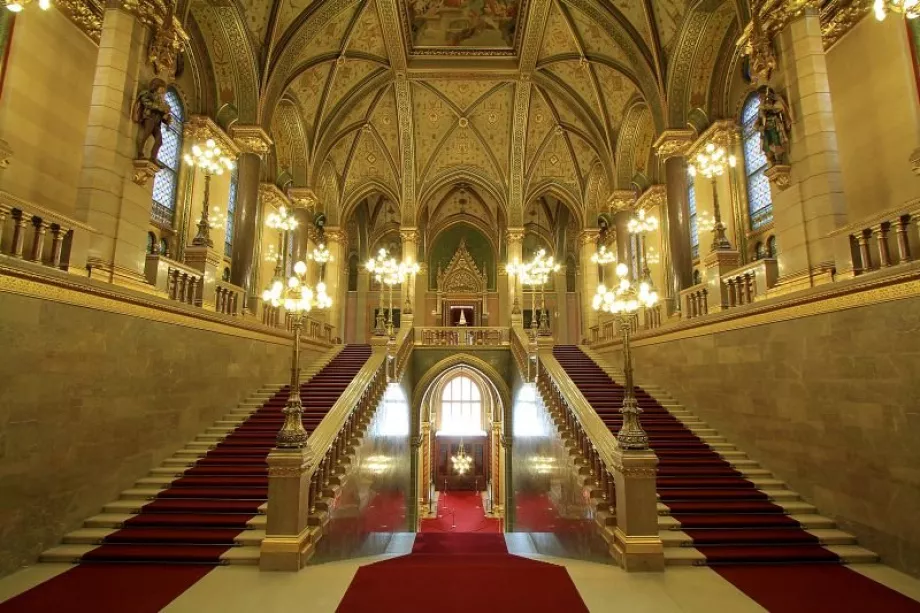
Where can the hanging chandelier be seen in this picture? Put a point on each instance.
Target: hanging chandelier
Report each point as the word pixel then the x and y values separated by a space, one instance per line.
pixel 909 8
pixel 462 461
pixel 16 6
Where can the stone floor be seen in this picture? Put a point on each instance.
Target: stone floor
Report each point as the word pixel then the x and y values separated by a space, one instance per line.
pixel 603 587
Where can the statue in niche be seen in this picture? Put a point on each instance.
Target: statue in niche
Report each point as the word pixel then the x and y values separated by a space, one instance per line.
pixel 774 124
pixel 151 112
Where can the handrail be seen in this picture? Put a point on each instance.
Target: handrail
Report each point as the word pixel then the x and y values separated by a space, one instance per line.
pixel 467 336
pixel 520 349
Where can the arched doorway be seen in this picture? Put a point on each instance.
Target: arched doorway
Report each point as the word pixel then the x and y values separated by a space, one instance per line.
pixel 461 411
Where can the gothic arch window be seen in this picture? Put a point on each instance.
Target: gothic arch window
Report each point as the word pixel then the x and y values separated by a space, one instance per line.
pixel 166 181
pixel 231 211
pixel 151 243
pixel 771 247
pixel 461 407
pixel 694 228
pixel 760 200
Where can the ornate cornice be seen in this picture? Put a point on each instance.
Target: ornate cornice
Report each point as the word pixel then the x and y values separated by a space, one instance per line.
pixel 409 235
pixel 621 200
pixel 673 143
pixel 514 235
pixel 201 127
pixel 251 139
pixel 85 14
pixel 725 133
pixel 303 198
pixel 837 17
pixel 654 196
pixel 335 235
pixel 270 194
pixel 588 236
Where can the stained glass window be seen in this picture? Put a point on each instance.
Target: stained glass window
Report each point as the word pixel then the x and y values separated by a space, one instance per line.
pixel 694 228
pixel 760 200
pixel 166 181
pixel 231 211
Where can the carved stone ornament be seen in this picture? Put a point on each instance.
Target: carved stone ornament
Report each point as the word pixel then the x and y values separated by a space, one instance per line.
pixel 303 197
pixel 621 200
pixel 251 139
pixel 271 194
pixel 759 50
pixel 144 170
pixel 673 142
pixel 199 128
pixel 166 45
pixel 462 276
pixel 723 133
pixel 915 161
pixel 779 175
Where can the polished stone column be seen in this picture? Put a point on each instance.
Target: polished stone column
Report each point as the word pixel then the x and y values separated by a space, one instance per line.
pixel 244 254
pixel 335 285
pixel 589 280
pixel 671 147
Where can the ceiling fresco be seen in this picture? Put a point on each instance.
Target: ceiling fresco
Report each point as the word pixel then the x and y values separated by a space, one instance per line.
pixel 467 26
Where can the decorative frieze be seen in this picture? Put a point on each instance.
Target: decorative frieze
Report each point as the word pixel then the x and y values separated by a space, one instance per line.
pixel 303 198
pixel 723 133
pixel 654 197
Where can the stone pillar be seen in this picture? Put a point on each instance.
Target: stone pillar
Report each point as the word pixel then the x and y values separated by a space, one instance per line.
pixel 671 147
pixel 621 204
pixel 515 238
pixel 245 250
pixel 409 238
pixel 636 545
pixel 335 286
pixel 110 197
pixel 305 235
pixel 364 283
pixel 812 207
pixel 589 280
pixel 288 544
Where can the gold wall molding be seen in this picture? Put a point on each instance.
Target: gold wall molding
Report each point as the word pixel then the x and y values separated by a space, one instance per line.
pixel 68 289
pixel 865 290
pixel 271 194
pixel 673 143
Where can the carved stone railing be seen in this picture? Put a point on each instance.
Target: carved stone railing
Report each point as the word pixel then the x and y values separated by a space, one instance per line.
pixel 229 298
pixel 651 317
pixel 750 282
pixel 886 239
pixel 462 336
pixel 34 233
pixel 303 483
pixel 173 279
pixel 271 316
pixel 620 484
pixel 695 301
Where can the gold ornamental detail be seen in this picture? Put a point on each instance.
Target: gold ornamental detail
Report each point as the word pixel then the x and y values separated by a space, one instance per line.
pixel 200 128
pixel 251 139
pixel 673 143
pixel 621 200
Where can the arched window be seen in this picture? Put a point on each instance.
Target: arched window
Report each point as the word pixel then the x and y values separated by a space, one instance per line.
pixel 166 181
pixel 771 247
pixel 231 211
pixel 461 407
pixel 760 200
pixel 694 229
pixel 151 243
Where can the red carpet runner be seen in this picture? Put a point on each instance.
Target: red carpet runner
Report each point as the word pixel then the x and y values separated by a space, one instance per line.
pixel 461 512
pixel 198 517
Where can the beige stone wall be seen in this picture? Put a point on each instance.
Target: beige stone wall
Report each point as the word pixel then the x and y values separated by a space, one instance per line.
pixel 90 401
pixel 44 108
pixel 828 402
pixel 876 115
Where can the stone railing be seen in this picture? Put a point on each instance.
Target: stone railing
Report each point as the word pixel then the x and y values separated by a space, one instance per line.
pixel 750 282
pixel 695 301
pixel 883 240
pixel 304 483
pixel 651 317
pixel 620 484
pixel 523 348
pixel 36 234
pixel 229 298
pixel 173 279
pixel 271 316
pixel 462 336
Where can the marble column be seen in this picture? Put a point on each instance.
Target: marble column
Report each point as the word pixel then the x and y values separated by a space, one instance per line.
pixel 621 204
pixel 110 198
pixel 244 254
pixel 671 147
pixel 515 240
pixel 589 279
pixel 335 285
pixel 813 206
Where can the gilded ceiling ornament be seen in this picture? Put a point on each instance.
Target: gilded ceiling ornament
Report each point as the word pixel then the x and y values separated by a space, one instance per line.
pixel 621 200
pixel 165 45
pixel 251 139
pixel 85 14
pixel 673 143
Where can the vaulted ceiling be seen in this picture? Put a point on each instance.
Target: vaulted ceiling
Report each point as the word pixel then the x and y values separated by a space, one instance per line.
pixel 518 98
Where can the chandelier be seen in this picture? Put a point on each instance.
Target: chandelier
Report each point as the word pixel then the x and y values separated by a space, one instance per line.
pixel 910 8
pixel 713 161
pixel 462 461
pixel 16 6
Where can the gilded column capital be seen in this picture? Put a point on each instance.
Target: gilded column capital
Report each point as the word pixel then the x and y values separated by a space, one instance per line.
pixel 336 235
pixel 514 235
pixel 673 143
pixel 251 139
pixel 201 128
pixel 654 196
pixel 302 197
pixel 409 235
pixel 723 133
pixel 588 236
pixel 271 194
pixel 621 200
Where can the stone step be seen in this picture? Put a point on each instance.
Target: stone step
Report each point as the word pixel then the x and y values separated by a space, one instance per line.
pixel 117 520
pixel 677 538
pixel 94 536
pixel 141 493
pixel 854 554
pixel 789 506
pixel 808 522
pixel 71 554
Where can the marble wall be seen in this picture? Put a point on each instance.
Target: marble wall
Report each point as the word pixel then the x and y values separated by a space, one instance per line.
pixel 827 402
pixel 90 401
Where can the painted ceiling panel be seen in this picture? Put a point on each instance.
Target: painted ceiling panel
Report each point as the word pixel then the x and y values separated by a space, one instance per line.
pixel 595 40
pixel 492 118
pixel 584 154
pixel 330 38
pixel 577 75
pixel 556 163
pixel 617 91
pixel 369 163
pixel 385 122
pixel 308 89
pixel 367 37
pixel 348 74
pixel 558 38
pixel 463 92
pixel 432 118
pixel 463 148
pixel 540 122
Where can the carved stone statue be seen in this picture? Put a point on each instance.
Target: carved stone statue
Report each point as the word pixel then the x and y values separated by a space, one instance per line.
pixel 774 124
pixel 151 112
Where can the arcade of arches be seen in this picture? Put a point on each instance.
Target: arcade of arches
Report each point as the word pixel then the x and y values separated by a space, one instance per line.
pixel 509 294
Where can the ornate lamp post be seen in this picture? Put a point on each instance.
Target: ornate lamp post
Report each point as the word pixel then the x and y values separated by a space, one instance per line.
pixel 297 298
pixel 321 256
pixel 623 301
pixel 712 163
pixel 542 268
pixel 284 222
pixel 408 270
pixel 211 161
pixel 384 269
pixel 640 225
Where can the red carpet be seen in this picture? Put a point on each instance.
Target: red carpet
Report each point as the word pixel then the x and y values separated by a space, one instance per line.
pixel 456 572
pixel 112 588
pixel 537 513
pixel 815 588
pixel 461 512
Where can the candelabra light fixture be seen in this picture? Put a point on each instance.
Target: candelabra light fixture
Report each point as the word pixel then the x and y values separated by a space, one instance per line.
pixel 623 300
pixel 387 272
pixel 284 222
pixel 16 6
pixel 712 163
pixel 216 219
pixel 462 461
pixel 409 269
pixel 212 161
pixel 298 299
pixel 540 270
pixel 909 8
pixel 640 225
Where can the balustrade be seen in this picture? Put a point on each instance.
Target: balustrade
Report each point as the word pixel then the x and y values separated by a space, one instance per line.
pixel 877 242
pixel 463 336
pixel 25 229
pixel 174 280
pixel 695 300
pixel 228 298
pixel 651 317
pixel 750 283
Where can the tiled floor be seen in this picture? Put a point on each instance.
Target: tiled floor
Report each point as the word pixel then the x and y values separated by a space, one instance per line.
pixel 232 589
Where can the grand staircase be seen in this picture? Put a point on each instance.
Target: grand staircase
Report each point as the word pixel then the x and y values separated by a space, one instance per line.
pixel 207 503
pixel 715 505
